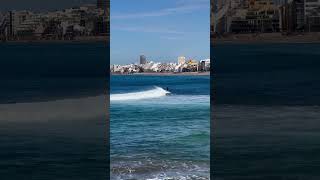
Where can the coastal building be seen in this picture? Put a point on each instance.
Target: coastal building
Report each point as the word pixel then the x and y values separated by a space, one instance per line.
pixel 193 65
pixel 264 16
pixel 204 65
pixel 143 59
pixel 76 22
pixel 292 16
pixel 181 60
pixel 287 17
pixel 212 16
pixel 300 14
pixel 312 15
pixel 5 26
pixel 27 25
pixel 151 66
pixel 246 16
pixel 102 4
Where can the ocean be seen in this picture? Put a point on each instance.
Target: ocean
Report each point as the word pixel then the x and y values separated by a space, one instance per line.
pixel 160 133
pixel 265 111
pixel 265 115
pixel 53 111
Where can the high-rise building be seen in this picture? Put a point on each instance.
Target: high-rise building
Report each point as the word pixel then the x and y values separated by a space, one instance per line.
pixel 11 24
pixel 292 16
pixel 312 15
pixel 181 60
pixel 143 59
pixel 300 19
pixel 102 4
pixel 202 66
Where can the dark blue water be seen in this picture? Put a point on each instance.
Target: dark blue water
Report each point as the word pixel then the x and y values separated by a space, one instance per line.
pixel 266 111
pixel 40 71
pixel 52 111
pixel 156 135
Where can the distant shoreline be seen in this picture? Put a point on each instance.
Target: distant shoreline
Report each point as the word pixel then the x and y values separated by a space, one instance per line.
pixel 270 38
pixel 166 74
pixel 88 39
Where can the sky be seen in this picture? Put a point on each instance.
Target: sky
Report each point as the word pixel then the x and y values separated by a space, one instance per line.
pixel 160 30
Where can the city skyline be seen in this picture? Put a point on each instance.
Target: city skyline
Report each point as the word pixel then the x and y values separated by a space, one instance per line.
pixel 181 65
pixel 143 59
pixel 41 5
pixel 265 16
pixel 160 30
pixel 82 22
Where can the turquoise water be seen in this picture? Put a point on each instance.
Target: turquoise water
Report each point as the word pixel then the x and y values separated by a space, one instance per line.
pixel 156 135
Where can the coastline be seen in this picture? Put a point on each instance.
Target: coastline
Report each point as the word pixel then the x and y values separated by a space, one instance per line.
pixel 165 74
pixel 76 40
pixel 272 38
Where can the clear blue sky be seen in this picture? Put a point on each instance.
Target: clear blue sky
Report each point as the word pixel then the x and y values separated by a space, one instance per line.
pixel 161 30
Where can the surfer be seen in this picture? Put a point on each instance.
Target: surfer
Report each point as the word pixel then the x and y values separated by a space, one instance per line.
pixel 167 89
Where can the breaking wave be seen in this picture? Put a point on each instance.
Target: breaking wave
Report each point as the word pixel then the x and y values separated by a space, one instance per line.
pixel 156 92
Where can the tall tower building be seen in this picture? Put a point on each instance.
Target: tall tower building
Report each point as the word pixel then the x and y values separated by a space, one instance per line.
pixel 102 4
pixel 220 4
pixel 143 59
pixel 181 60
pixel 11 24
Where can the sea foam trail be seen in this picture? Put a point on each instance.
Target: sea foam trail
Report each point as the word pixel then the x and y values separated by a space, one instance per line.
pixel 147 94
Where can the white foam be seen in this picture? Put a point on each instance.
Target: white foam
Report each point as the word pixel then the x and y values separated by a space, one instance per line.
pixel 157 92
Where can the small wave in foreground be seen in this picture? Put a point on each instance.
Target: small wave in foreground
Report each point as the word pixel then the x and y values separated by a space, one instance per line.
pixel 160 170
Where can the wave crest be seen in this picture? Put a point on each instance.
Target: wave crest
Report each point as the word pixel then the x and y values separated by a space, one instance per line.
pixel 156 92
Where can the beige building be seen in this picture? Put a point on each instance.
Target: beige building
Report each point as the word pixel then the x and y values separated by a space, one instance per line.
pixel 181 60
